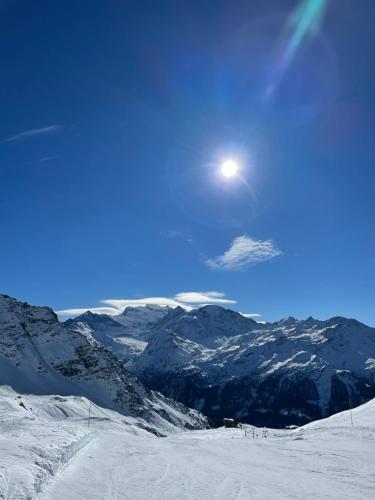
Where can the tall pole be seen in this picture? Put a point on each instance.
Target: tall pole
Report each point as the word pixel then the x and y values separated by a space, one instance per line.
pixel 350 406
pixel 88 423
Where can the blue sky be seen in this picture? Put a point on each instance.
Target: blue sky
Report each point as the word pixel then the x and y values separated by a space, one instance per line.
pixel 116 117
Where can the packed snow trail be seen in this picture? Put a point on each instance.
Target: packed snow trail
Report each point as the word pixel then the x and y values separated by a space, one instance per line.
pixel 50 451
pixel 321 463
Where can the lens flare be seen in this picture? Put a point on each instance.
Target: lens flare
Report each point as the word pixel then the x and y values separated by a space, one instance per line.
pixel 303 21
pixel 306 19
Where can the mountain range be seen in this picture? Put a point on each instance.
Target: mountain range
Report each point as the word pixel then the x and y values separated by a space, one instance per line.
pixel 40 355
pixel 227 365
pixel 125 334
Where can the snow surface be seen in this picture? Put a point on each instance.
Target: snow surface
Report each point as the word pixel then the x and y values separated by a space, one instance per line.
pixel 48 452
pixel 40 434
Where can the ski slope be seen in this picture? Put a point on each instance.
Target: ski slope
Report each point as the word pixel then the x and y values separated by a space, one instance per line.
pixel 39 435
pixel 221 464
pixel 49 452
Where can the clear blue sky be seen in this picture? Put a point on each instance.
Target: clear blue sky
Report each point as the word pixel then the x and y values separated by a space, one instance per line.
pixel 115 117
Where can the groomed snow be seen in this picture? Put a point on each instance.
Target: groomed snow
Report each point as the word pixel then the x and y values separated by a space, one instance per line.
pixel 39 435
pixel 50 453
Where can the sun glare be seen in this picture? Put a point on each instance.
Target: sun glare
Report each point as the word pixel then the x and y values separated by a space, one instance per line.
pixel 229 168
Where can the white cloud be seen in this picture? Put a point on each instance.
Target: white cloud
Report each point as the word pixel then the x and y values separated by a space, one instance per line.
pixel 120 304
pixel 243 252
pixel 251 315
pixel 117 306
pixel 97 310
pixel 186 300
pixel 203 298
pixel 32 132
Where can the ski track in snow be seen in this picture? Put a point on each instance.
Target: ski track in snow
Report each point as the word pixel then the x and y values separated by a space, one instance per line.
pixel 48 451
pixel 222 465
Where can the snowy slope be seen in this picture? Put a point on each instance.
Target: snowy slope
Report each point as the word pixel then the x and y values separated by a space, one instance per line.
pixel 111 334
pixel 361 416
pixel 134 321
pixel 50 451
pixel 327 462
pixel 100 327
pixel 40 434
pixel 291 371
pixel 209 325
pixel 125 334
pixel 39 355
pixel 139 320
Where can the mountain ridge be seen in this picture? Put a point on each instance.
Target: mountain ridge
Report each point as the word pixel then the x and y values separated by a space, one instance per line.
pixel 289 371
pixel 39 355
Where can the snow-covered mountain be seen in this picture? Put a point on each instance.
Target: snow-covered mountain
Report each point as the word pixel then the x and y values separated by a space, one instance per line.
pixel 100 327
pixel 125 334
pixel 109 333
pixel 287 372
pixel 139 320
pixel 209 325
pixel 40 355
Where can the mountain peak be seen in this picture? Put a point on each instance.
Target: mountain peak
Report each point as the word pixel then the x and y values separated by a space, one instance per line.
pixel 289 320
pixel 342 320
pixel 227 365
pixel 40 355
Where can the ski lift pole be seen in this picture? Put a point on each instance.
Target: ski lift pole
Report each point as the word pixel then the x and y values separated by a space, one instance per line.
pixel 350 406
pixel 88 423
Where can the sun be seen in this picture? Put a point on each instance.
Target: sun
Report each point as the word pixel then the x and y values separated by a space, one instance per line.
pixel 229 168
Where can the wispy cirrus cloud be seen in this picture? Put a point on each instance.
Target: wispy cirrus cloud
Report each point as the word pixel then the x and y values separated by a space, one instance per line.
pixel 243 252
pixel 111 311
pixel 117 306
pixel 158 301
pixel 32 132
pixel 44 159
pixel 173 234
pixel 203 298
pixel 186 300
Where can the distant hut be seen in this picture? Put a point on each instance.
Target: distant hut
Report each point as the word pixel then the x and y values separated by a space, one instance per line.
pixel 229 422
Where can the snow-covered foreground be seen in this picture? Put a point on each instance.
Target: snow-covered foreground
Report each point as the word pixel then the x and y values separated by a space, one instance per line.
pixel 221 464
pixel 51 453
pixel 39 436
